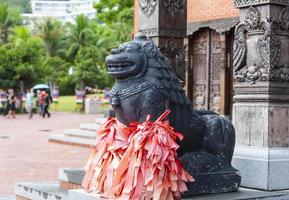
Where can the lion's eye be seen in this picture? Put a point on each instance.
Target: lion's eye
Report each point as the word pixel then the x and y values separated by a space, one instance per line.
pixel 128 49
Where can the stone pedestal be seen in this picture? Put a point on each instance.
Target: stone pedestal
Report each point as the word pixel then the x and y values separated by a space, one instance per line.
pixel 92 106
pixel 261 101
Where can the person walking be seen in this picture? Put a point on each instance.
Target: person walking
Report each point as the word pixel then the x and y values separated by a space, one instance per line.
pixel 47 101
pixel 41 102
pixel 29 103
pixel 12 110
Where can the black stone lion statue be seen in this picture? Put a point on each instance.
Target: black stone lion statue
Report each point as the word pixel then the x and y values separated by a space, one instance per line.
pixel 145 84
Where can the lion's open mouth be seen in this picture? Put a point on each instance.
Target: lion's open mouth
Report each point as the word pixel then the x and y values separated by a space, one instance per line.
pixel 119 66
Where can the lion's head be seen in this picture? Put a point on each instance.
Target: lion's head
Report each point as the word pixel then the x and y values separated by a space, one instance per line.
pixel 126 61
pixel 141 57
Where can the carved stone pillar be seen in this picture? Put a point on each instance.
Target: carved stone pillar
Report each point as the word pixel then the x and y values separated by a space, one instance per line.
pixel 165 21
pixel 261 101
pixel 223 73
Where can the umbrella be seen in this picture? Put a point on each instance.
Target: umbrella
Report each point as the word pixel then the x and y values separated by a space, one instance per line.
pixel 41 87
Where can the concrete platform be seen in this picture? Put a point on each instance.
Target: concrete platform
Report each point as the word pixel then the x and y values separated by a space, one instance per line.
pixel 40 191
pixel 242 194
pixel 80 133
pixel 51 191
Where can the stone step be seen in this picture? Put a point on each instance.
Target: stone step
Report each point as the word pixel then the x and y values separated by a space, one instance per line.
pixel 80 133
pixel 40 191
pixel 70 178
pixel 100 121
pixel 7 197
pixel 89 126
pixel 69 140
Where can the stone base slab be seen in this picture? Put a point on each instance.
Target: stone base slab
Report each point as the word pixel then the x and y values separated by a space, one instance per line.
pixel 263 168
pixel 242 193
pixel 213 183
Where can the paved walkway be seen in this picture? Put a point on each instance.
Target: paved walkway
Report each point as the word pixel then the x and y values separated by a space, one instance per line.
pixel 26 155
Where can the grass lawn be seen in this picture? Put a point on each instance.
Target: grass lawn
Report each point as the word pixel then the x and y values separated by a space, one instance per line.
pixel 68 104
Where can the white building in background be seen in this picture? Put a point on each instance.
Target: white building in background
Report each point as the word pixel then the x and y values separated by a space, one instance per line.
pixel 63 10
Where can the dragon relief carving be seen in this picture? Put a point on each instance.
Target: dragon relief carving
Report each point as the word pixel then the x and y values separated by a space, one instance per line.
pixel 268 48
pixel 175 7
pixel 177 52
pixel 148 6
pixel 284 19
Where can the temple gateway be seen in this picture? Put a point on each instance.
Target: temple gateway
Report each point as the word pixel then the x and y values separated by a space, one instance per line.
pixel 232 57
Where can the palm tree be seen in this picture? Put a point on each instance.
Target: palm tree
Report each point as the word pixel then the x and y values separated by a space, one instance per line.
pixel 80 35
pixel 51 33
pixel 20 35
pixel 8 19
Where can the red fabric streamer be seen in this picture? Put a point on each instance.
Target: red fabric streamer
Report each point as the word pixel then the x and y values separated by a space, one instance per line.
pixel 136 162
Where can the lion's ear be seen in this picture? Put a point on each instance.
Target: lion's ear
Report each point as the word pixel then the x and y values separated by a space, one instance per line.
pixel 149 49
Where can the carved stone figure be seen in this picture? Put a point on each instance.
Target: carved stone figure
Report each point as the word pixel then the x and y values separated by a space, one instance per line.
pixel 148 6
pixel 145 84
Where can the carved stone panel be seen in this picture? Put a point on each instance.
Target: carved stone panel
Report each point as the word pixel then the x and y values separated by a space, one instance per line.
pixel 259 47
pixel 252 18
pixel 200 70
pixel 215 55
pixel 175 7
pixel 206 70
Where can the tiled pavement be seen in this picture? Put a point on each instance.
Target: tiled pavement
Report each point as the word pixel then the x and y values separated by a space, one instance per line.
pixel 26 155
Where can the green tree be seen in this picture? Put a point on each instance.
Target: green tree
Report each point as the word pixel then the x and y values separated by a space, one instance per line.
pixel 115 11
pixel 8 18
pixel 54 69
pixel 79 35
pixel 51 32
pixel 116 16
pixel 87 70
pixel 20 63
pixel 20 35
